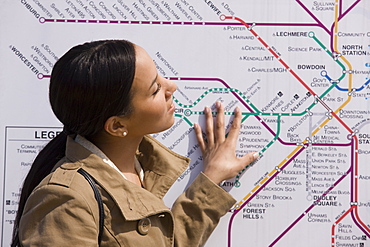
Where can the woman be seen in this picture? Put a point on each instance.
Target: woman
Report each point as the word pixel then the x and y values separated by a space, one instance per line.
pixel 109 98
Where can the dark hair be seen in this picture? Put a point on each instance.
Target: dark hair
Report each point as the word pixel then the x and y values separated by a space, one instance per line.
pixel 89 84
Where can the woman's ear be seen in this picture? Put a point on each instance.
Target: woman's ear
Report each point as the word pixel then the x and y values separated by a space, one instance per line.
pixel 116 126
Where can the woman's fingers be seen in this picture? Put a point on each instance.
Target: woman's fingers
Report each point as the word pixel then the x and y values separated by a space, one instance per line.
pixel 209 126
pixel 235 127
pixel 199 135
pixel 215 132
pixel 220 123
pixel 219 159
pixel 249 158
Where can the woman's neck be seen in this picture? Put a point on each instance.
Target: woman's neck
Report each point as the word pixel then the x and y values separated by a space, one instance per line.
pixel 121 151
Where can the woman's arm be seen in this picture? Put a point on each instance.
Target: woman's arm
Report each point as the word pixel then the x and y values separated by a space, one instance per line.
pixel 198 210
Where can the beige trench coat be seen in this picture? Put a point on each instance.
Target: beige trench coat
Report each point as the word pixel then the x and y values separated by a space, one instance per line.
pixel 62 210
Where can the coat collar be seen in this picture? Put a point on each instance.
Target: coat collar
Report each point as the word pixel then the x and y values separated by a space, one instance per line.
pixel 161 168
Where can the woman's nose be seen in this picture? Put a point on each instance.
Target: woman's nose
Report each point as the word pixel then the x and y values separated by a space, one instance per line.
pixel 170 88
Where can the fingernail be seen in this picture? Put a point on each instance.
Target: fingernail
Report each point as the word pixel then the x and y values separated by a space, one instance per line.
pixel 206 109
pixel 237 109
pixel 218 104
pixel 256 155
pixel 195 125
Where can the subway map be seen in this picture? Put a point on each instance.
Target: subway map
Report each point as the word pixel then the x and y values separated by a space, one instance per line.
pixel 298 69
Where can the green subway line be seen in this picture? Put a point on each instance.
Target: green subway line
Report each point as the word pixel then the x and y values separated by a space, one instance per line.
pixel 219 90
pixel 322 95
pixel 185 118
pixel 312 35
pixel 328 90
pixel 257 111
pixel 245 118
pixel 188 112
pixel 237 177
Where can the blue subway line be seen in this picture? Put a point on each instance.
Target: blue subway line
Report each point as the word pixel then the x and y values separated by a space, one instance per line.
pixel 345 89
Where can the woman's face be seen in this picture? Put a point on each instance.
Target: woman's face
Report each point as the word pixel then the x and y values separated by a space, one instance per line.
pixel 153 109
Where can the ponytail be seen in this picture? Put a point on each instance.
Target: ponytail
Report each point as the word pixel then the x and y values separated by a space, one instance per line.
pixel 41 167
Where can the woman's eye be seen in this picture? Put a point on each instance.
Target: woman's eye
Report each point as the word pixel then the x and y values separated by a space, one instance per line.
pixel 158 88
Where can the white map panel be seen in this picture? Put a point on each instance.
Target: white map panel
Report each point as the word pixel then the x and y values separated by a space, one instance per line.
pixel 298 69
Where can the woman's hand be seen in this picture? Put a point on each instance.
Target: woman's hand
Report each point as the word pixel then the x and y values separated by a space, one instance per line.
pixel 219 158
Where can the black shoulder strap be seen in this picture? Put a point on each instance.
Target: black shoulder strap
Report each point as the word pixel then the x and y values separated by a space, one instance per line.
pixel 98 199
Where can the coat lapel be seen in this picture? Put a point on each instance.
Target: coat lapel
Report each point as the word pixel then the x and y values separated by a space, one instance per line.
pixel 161 168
